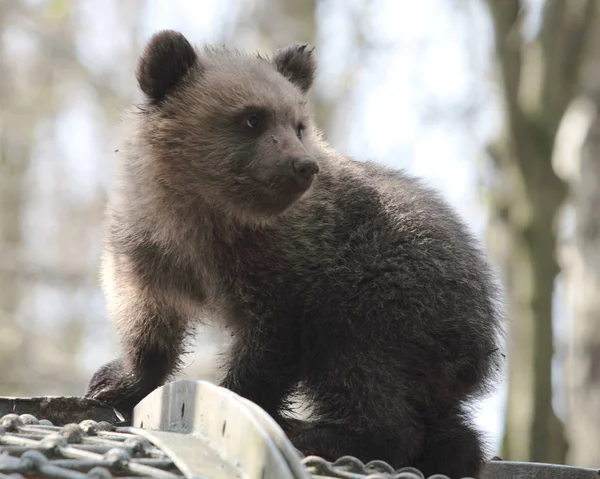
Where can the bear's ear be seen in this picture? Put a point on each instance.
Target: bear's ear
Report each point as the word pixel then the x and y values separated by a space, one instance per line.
pixel 297 64
pixel 168 56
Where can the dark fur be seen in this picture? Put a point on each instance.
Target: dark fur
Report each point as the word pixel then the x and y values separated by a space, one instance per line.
pixel 164 64
pixel 363 290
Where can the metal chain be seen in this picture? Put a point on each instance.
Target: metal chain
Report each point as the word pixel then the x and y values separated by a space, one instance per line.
pixel 99 450
pixel 90 449
pixel 349 467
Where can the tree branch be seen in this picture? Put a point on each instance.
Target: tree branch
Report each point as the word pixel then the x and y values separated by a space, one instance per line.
pixel 563 36
pixel 576 40
pixel 506 16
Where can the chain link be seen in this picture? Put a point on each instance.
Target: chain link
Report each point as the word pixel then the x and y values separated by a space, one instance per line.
pixel 99 450
pixel 349 467
pixel 90 449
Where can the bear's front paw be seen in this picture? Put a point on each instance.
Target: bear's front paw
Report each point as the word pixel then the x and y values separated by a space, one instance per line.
pixel 116 386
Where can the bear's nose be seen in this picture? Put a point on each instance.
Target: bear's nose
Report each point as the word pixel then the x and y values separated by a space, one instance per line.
pixel 305 166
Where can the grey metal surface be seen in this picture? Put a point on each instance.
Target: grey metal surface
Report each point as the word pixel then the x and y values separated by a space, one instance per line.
pixel 236 430
pixel 532 470
pixel 193 456
pixel 90 449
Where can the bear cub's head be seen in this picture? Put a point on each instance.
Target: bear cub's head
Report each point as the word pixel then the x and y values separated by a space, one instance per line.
pixel 229 128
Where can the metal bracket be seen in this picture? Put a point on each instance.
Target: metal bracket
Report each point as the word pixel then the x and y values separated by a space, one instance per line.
pixel 253 444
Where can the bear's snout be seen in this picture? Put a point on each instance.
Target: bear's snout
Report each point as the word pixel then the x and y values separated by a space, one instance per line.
pixel 305 167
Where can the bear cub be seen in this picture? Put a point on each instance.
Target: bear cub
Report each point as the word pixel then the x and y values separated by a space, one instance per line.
pixel 348 282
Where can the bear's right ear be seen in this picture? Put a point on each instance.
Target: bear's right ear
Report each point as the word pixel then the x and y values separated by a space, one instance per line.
pixel 297 63
pixel 168 56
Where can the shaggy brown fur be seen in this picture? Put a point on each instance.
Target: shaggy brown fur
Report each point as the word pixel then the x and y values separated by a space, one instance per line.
pixel 348 281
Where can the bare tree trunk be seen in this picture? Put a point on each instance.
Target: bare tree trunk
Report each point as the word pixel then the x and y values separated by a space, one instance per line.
pixel 579 160
pixel 584 428
pixel 584 424
pixel 539 80
pixel 14 158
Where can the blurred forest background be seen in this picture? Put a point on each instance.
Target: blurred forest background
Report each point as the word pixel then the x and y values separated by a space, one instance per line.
pixel 494 102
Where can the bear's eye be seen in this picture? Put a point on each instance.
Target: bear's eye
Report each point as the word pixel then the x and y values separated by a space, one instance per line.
pixel 300 131
pixel 253 120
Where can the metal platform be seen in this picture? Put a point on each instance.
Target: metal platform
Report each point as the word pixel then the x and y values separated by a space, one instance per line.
pixel 185 429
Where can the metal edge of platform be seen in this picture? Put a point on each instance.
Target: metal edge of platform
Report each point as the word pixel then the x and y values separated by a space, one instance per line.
pixel 210 432
pixel 534 470
pixel 279 438
pixel 256 447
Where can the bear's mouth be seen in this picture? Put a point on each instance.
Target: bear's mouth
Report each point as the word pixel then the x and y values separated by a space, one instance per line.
pixel 286 184
pixel 272 197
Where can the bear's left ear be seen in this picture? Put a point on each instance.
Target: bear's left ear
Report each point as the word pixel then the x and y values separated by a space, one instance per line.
pixel 167 58
pixel 297 64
